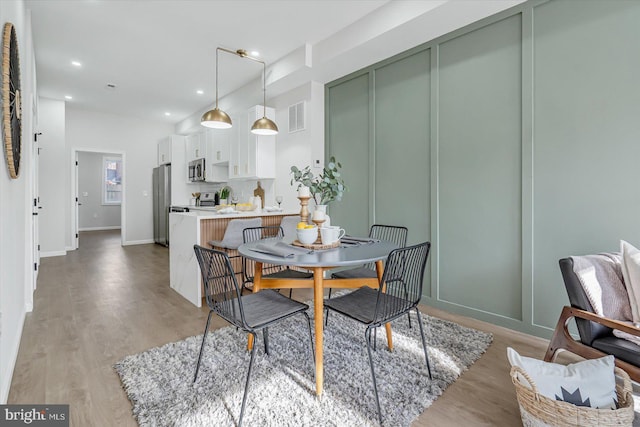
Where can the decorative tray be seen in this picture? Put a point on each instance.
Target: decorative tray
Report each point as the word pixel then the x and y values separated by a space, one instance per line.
pixel 316 246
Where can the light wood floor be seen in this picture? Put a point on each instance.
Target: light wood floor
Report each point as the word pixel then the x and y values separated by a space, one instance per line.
pixel 103 302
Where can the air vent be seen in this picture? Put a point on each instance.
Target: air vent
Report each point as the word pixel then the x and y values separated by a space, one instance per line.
pixel 296 117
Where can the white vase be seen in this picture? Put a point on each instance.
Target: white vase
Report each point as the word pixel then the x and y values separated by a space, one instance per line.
pixel 320 212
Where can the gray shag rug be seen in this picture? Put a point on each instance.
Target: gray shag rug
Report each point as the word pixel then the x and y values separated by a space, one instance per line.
pixel 282 387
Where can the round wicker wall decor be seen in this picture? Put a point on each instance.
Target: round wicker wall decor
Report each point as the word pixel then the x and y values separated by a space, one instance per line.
pixel 11 100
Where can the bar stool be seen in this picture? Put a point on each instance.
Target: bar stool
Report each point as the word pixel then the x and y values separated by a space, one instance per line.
pixel 232 238
pixel 288 225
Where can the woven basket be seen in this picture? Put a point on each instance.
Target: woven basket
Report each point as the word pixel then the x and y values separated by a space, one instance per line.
pixel 540 411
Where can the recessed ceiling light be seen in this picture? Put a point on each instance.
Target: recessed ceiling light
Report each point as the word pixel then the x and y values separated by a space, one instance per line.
pixel 199 91
pixel 255 53
pixel 76 64
pixel 68 97
pixel 167 114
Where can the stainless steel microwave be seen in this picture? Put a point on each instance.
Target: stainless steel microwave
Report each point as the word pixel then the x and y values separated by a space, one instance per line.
pixel 196 170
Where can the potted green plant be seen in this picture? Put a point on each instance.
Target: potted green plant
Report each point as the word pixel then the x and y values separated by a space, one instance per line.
pixel 324 188
pixel 224 195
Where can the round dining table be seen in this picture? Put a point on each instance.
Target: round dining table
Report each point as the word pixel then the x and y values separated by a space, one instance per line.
pixel 282 252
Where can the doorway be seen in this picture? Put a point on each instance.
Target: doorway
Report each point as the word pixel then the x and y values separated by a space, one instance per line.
pixel 98 194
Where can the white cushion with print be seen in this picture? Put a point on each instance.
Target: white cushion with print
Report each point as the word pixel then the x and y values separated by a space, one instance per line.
pixel 589 383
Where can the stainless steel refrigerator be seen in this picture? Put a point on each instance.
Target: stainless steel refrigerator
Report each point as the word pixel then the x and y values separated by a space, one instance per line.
pixel 161 203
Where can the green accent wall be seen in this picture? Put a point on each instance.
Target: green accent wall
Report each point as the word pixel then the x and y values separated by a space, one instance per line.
pixel 509 144
pixel 402 135
pixel 350 131
pixel 587 137
pixel 479 165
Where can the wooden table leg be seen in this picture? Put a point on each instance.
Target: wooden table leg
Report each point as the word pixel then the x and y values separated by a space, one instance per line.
pixel 318 311
pixel 257 277
pixel 387 326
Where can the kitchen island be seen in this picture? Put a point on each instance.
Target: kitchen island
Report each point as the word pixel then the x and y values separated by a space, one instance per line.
pixel 199 227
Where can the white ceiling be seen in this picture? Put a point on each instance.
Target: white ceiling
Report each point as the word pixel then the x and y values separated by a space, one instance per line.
pixel 159 53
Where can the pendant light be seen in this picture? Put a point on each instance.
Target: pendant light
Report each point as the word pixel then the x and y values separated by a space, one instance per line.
pixel 264 126
pixel 218 119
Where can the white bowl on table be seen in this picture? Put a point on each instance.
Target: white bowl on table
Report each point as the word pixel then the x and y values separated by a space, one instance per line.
pixel 307 236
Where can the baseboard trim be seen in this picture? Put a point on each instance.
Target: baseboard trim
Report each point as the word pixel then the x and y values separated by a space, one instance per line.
pixel 493 318
pixel 138 242
pixel 109 227
pixel 52 253
pixel 5 380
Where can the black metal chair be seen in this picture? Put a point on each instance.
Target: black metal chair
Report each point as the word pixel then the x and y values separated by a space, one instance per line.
pixel 272 271
pixel 399 292
pixel 390 233
pixel 250 313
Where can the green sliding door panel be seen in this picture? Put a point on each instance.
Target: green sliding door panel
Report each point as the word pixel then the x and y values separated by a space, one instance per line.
pixel 402 111
pixel 586 138
pixel 480 169
pixel 402 160
pixel 348 134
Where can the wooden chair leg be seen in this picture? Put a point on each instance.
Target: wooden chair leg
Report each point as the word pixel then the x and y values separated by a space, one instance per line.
pixel 562 340
pixel 559 339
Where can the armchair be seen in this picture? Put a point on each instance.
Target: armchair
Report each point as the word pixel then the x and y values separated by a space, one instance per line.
pixel 596 331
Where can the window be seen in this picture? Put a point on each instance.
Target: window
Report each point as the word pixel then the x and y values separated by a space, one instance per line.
pixel 111 180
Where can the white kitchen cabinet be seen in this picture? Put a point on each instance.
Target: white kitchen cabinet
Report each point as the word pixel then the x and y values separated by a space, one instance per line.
pixel 217 153
pixel 164 151
pixel 217 144
pixel 255 155
pixel 239 124
pixel 195 146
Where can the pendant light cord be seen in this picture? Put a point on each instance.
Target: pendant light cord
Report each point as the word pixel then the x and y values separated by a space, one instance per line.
pixel 219 119
pixel 217 50
pixel 264 90
pixel 243 54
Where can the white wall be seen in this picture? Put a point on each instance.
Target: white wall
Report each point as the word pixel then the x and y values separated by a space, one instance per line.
pixel 16 257
pixel 138 140
pixel 92 213
pixel 300 148
pixel 52 183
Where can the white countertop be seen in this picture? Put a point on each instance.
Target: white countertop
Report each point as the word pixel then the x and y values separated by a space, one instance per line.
pixel 209 212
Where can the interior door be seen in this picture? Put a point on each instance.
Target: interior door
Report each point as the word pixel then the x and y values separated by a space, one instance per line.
pixel 35 206
pixel 76 204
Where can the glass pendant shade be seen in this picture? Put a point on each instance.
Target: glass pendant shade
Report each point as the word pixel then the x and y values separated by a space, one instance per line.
pixel 216 119
pixel 264 126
